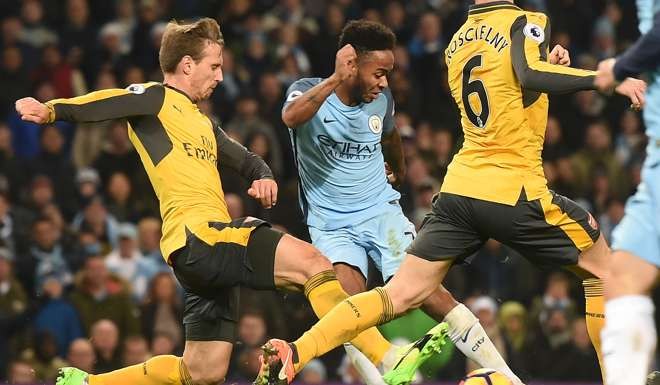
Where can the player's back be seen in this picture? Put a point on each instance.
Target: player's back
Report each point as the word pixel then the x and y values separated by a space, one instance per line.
pixel 501 149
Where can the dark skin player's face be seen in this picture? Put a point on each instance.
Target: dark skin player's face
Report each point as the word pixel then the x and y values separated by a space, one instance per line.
pixel 373 68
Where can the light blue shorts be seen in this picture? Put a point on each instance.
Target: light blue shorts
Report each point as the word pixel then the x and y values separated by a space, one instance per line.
pixel 383 238
pixel 639 230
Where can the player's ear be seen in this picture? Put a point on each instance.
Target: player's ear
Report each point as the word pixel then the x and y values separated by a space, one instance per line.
pixel 186 64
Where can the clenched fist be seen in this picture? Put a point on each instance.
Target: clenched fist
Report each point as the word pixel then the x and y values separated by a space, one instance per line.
pixel 32 110
pixel 346 62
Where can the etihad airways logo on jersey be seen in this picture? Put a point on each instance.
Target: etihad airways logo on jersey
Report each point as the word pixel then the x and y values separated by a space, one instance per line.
pixel 347 150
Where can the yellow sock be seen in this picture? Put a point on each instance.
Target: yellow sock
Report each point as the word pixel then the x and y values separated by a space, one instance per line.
pixel 324 292
pixel 343 323
pixel 159 370
pixel 595 315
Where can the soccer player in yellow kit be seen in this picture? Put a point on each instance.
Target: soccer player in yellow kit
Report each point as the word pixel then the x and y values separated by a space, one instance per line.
pixel 498 74
pixel 210 253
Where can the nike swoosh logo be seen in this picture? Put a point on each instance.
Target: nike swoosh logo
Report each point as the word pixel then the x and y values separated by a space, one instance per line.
pixel 326 120
pixel 465 336
pixel 282 374
pixel 177 108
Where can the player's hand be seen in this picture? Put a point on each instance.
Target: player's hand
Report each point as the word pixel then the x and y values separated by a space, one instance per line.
pixel 265 191
pixel 32 110
pixel 559 55
pixel 605 80
pixel 346 63
pixel 634 89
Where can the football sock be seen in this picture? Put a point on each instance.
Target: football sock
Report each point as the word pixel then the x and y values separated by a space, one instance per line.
pixel 471 339
pixel 594 315
pixel 159 370
pixel 629 339
pixel 342 324
pixel 324 291
pixel 367 370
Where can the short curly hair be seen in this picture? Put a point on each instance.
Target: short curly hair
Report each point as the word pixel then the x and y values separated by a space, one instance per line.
pixel 365 36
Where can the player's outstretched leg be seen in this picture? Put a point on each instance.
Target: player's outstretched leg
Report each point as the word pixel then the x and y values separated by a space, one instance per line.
pixel 629 337
pixel 159 370
pixel 362 311
pixel 298 263
pixel 593 267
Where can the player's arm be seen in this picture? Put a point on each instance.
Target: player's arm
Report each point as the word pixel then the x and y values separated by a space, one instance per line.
pixel 303 103
pixel 96 106
pixel 642 56
pixel 250 166
pixel 530 36
pixel 391 144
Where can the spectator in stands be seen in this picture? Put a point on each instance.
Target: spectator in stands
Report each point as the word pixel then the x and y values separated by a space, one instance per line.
pixel 128 263
pixel 58 317
pixel 165 344
pixel 118 153
pixel 13 308
pixel 513 322
pixel 314 373
pixel 67 80
pixel 135 351
pixel 98 296
pixel 121 202
pixel 105 340
pixel 44 259
pixel 81 355
pixel 162 311
pixel 95 218
pixel 13 299
pixel 629 144
pixel 14 78
pixel 578 361
pixel 53 161
pixel 149 233
pixel 88 184
pixel 247 122
pixel 20 372
pixel 43 357
pixel 35 33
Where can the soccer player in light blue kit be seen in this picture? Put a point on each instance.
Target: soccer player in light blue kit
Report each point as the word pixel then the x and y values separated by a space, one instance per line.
pixel 342 131
pixel 629 337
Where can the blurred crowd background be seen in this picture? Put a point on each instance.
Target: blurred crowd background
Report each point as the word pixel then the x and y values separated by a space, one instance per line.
pixel 82 280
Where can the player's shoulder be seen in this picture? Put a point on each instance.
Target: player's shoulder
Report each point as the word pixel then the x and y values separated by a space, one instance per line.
pixel 141 88
pixel 298 87
pixel 539 18
pixel 305 83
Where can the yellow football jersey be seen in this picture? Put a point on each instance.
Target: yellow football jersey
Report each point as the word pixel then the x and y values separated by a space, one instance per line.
pixel 179 148
pixel 498 74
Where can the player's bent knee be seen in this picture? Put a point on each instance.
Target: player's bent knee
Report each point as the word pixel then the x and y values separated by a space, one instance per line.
pixel 313 261
pixel 406 299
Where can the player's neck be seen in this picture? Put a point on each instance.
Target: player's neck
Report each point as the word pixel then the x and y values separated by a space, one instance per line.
pixel 181 84
pixel 346 96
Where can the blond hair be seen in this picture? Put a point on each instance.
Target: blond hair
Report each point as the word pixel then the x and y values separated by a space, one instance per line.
pixel 187 39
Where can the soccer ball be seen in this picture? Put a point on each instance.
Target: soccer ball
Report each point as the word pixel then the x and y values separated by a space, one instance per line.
pixel 485 376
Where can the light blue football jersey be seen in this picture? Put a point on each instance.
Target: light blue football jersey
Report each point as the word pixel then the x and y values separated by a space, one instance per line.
pixel 340 161
pixel 646 9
